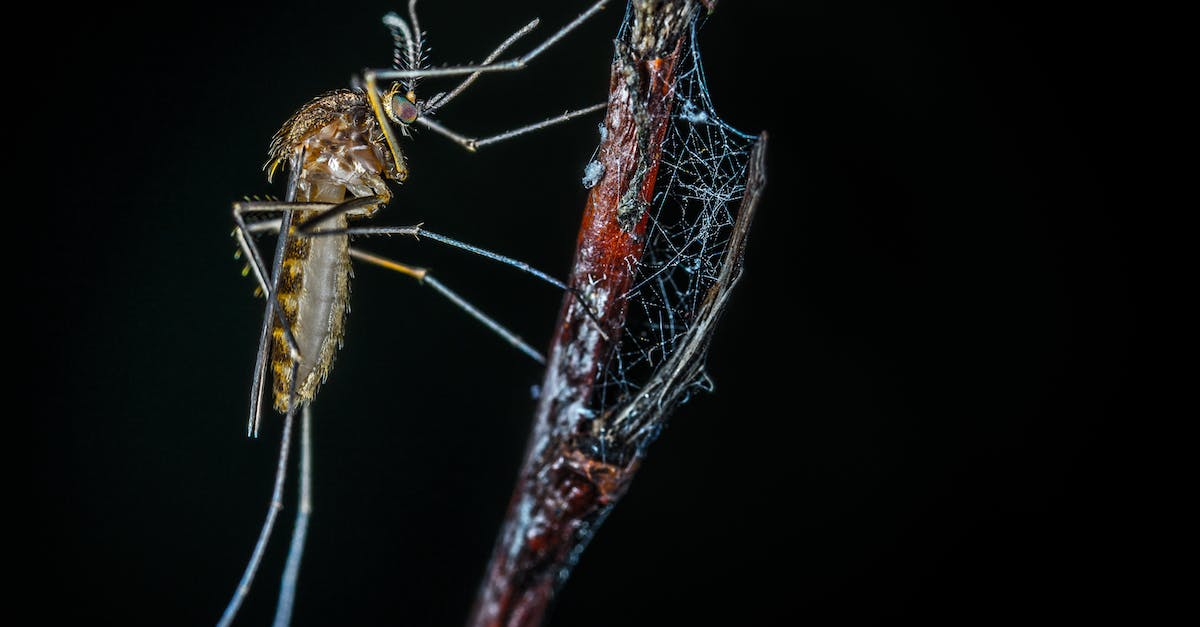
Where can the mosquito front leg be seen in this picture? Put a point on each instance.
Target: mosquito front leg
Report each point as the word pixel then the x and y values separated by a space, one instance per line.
pixel 409 55
pixel 472 143
pixel 439 101
pixel 500 66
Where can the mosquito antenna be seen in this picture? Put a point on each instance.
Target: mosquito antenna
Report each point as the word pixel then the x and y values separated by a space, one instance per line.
pixel 418 57
pixel 496 66
pixel 408 53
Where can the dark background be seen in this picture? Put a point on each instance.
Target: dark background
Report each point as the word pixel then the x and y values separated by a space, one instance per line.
pixel 913 382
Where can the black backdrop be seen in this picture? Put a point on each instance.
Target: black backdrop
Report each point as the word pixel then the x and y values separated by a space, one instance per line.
pixel 911 383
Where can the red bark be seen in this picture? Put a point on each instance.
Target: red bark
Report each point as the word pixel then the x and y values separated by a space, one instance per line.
pixel 563 492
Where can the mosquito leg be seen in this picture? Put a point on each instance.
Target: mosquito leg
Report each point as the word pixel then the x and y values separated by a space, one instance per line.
pixel 440 101
pixel 471 143
pixel 500 66
pixel 422 275
pixel 368 204
pixel 412 45
pixel 327 211
pixel 245 229
pixel 417 231
pixel 264 535
pixel 291 571
pixel 256 261
pixel 389 133
pixel 270 289
pixel 522 266
pixel 260 360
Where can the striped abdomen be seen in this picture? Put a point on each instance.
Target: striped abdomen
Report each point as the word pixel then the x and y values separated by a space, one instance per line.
pixel 314 292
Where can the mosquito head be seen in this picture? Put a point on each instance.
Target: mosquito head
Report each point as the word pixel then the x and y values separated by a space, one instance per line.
pixel 401 108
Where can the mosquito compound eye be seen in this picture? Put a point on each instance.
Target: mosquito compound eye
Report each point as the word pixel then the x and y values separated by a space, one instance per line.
pixel 404 110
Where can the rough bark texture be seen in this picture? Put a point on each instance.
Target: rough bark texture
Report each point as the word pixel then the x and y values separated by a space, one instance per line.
pixel 566 488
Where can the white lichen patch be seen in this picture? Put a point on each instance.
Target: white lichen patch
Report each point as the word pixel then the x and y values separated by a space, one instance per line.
pixel 592 174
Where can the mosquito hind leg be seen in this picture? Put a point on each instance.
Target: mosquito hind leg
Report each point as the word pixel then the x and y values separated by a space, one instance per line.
pixel 425 278
pixel 418 231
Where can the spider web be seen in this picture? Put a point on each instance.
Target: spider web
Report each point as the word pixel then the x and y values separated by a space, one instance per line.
pixel 701 180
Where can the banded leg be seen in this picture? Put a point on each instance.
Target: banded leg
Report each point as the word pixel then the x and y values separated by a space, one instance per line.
pixel 423 277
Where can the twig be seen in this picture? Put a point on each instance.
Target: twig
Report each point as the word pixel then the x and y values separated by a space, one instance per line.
pixel 566 487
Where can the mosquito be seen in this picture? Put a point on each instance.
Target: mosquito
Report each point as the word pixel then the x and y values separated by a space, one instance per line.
pixel 340 150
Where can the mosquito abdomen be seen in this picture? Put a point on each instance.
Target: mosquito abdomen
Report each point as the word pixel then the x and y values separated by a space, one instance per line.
pixel 314 292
